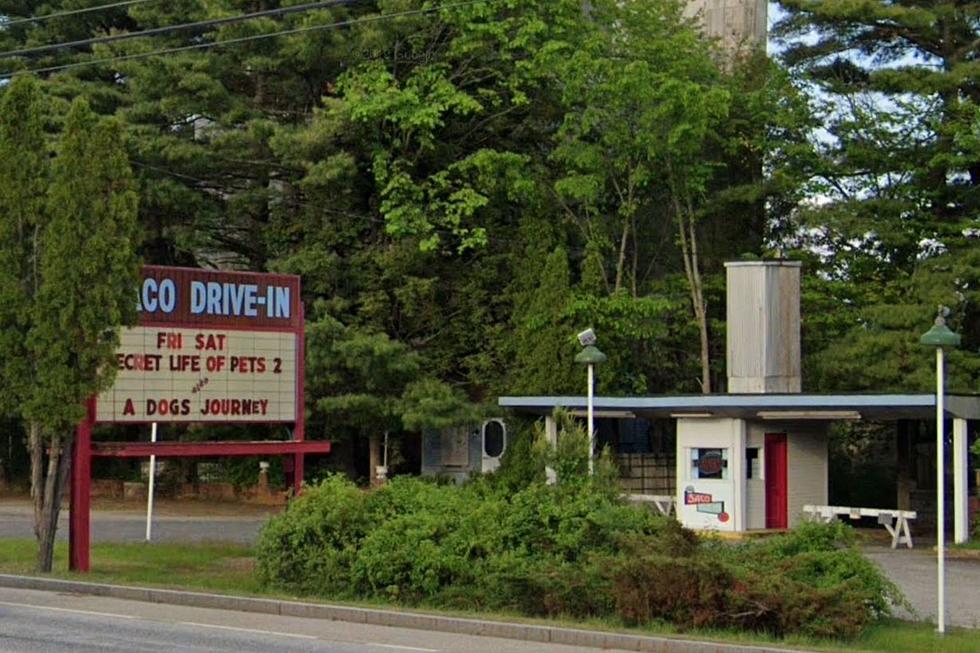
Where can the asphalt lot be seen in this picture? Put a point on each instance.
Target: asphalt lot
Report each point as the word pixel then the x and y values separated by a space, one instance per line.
pixel 915 573
pixel 172 522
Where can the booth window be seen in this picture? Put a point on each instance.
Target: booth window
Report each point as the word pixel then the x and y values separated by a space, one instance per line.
pixel 709 463
pixel 752 469
pixel 493 438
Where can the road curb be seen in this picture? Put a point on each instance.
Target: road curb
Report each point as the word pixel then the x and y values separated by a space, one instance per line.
pixel 393 618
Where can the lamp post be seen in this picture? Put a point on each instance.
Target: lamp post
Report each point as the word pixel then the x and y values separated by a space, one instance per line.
pixel 590 356
pixel 940 336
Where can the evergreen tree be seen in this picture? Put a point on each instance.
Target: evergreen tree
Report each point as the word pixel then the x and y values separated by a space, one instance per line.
pixel 419 171
pixel 82 271
pixel 544 335
pixel 897 223
pixel 24 177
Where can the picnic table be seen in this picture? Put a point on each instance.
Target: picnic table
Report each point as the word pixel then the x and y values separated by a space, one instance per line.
pixel 662 502
pixel 896 522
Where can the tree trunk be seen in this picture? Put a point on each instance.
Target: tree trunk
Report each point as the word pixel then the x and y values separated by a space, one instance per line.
pixel 636 259
pixel 621 261
pixel 46 522
pixel 374 458
pixel 689 252
pixel 36 444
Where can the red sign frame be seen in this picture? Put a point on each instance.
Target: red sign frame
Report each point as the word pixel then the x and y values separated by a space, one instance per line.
pixel 189 298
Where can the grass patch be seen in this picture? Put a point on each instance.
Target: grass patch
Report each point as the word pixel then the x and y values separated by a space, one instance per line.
pixel 906 637
pixel 972 545
pixel 229 568
pixel 208 567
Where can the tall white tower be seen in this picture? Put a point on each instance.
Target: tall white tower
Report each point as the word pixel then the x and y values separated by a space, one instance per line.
pixel 739 24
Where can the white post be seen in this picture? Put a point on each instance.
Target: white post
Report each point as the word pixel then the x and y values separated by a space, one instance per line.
pixel 149 491
pixel 736 464
pixel 961 491
pixel 551 434
pixel 591 423
pixel 940 496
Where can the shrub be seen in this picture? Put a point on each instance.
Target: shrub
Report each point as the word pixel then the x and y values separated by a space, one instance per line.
pixel 689 592
pixel 551 586
pixel 778 604
pixel 812 580
pixel 568 549
pixel 311 545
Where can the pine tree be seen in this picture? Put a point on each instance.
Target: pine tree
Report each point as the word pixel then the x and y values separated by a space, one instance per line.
pixel 899 184
pixel 544 334
pixel 77 271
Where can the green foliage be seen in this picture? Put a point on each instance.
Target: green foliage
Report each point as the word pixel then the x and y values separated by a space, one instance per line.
pixel 523 461
pixel 897 176
pixel 543 358
pixel 568 549
pixel 24 176
pixel 420 173
pixel 88 269
pixel 570 458
pixel 434 404
pixel 369 383
pixel 311 545
pixel 812 581
pixel 67 248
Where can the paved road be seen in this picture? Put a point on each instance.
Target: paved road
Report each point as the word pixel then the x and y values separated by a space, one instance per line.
pixel 915 573
pixel 16 521
pixel 47 622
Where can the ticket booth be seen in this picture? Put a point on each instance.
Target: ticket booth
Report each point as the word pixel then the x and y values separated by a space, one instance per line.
pixel 737 474
pixel 753 457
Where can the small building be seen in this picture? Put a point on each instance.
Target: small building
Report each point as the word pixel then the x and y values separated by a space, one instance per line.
pixel 458 453
pixel 752 458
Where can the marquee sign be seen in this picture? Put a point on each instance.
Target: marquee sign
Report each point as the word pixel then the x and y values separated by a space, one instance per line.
pixel 210 347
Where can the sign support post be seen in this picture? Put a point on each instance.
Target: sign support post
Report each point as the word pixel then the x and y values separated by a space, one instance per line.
pixel 149 487
pixel 299 428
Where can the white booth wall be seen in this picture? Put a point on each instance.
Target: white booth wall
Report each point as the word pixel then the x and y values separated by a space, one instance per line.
pixel 737 502
pixel 807 466
pixel 711 503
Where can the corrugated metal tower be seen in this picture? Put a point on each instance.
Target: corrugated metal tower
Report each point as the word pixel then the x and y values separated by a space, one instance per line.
pixel 763 339
pixel 740 24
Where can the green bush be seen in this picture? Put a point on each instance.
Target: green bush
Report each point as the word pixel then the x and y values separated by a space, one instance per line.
pixel 572 549
pixel 812 580
pixel 311 545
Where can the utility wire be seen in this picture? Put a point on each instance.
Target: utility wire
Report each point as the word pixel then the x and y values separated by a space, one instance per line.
pixel 254 37
pixel 157 31
pixel 74 12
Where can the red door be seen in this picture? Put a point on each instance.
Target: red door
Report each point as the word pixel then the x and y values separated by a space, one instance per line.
pixel 776 485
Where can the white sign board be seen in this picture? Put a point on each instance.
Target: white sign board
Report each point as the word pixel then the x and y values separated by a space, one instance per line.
pixel 202 375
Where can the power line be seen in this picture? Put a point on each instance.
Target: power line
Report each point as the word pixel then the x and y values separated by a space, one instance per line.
pixel 254 37
pixel 157 31
pixel 74 12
